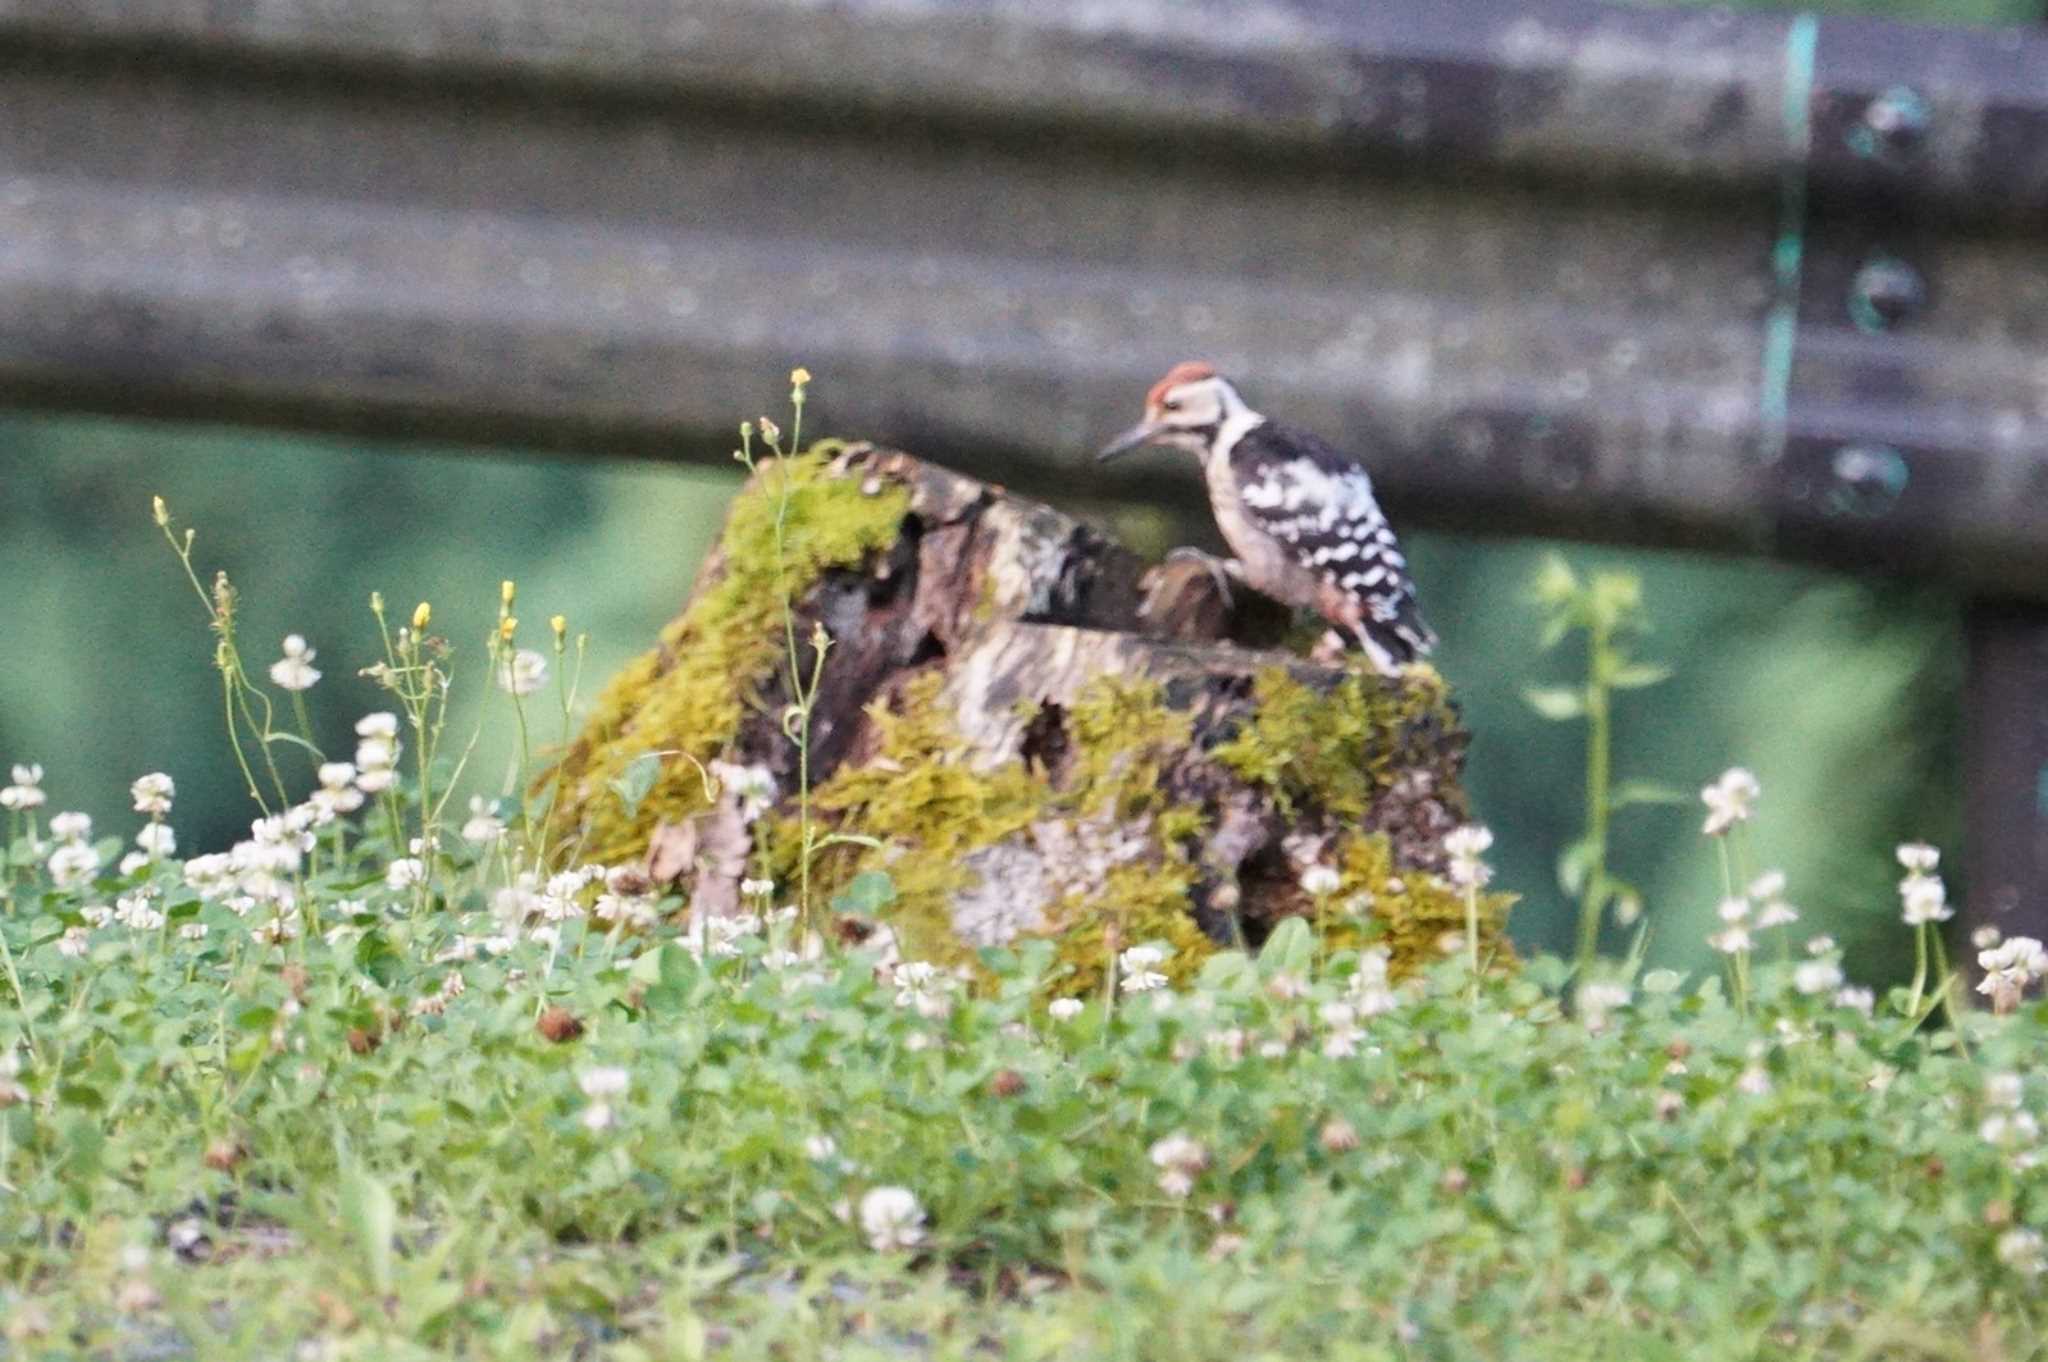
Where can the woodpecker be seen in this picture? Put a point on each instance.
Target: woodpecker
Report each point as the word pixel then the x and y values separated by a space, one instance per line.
pixel 1300 515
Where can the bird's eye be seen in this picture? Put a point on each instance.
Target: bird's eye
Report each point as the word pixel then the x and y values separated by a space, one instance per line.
pixel 1170 404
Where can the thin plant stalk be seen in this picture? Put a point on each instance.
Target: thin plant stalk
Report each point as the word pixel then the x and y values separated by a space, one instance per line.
pixel 1599 777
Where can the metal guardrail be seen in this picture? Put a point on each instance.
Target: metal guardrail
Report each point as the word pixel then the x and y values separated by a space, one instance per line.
pixel 1764 283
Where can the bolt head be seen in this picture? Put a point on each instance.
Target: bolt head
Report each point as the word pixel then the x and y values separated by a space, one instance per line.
pixel 1884 293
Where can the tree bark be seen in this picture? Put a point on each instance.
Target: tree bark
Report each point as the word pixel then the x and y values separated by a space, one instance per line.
pixel 1001 625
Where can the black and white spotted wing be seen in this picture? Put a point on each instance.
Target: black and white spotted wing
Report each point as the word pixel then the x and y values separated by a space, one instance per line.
pixel 1319 502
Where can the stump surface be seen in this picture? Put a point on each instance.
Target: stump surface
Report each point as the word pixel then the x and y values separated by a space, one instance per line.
pixel 1047 736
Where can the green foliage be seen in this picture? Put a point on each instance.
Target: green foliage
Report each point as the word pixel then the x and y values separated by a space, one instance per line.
pixel 1607 608
pixel 231 1146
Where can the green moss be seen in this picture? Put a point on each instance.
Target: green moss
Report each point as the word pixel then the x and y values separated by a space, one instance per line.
pixel 1336 750
pixel 1409 913
pixel 931 809
pixel 939 819
pixel 690 693
pixel 934 812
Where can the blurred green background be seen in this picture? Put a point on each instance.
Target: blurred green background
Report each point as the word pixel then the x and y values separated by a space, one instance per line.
pixel 1841 694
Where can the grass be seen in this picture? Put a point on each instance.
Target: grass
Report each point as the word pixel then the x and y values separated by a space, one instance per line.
pixel 613 1145
pixel 375 1085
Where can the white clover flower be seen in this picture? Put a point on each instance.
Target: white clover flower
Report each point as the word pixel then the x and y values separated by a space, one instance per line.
pixel 1370 992
pixel 338 793
pixel 1465 845
pixel 71 825
pixel 1923 898
pixel 75 942
pixel 1180 1160
pixel 757 889
pixel 1753 1081
pixel 1599 997
pixel 26 792
pixel 380 724
pixel 718 935
pixel 72 864
pixel 404 873
pixel 295 670
pixel 1816 976
pixel 1733 910
pixel 192 931
pixel 2009 969
pixel 1320 880
pixel 632 909
pixel 564 884
pixel 153 793
pixel 11 1090
pixel 920 985
pixel 819 1148
pixel 157 841
pixel 1820 945
pixel 1918 857
pixel 1856 999
pixel 559 901
pixel 138 913
pixel 604 1081
pixel 1344 1034
pixel 1341 1043
pixel 484 826
pixel 1136 966
pixel 2004 1090
pixel 1984 938
pixel 1769 891
pixel 376 766
pixel 1730 800
pixel 891 1219
pixel 2023 1251
pixel 209 873
pixel 1064 1009
pixel 2009 1130
pixel 523 672
pixel 1731 941
pixel 377 753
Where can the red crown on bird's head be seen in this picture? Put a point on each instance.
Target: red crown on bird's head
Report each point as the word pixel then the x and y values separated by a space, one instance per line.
pixel 1187 371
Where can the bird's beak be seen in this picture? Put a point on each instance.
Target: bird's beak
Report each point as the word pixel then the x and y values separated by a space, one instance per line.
pixel 1141 434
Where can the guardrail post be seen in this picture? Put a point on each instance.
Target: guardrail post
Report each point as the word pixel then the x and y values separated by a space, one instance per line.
pixel 2005 769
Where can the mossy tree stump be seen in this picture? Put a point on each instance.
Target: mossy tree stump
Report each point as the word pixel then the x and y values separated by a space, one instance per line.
pixel 1045 736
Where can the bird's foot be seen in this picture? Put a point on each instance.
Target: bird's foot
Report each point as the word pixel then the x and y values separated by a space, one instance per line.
pixel 1330 650
pixel 1220 570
